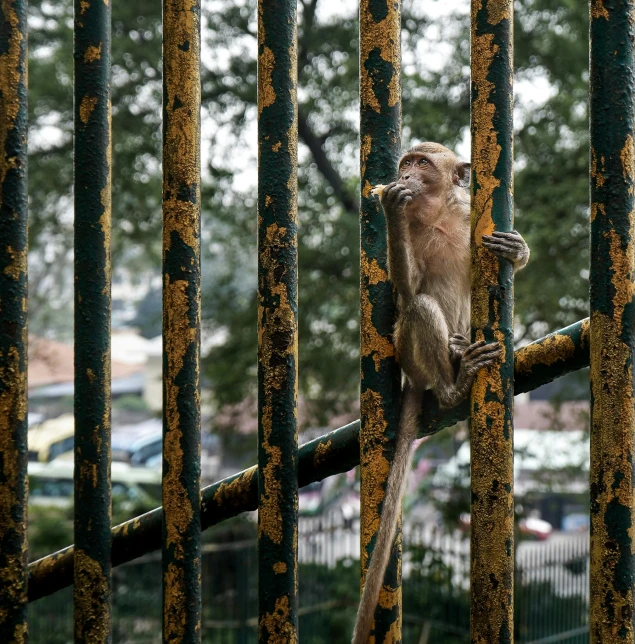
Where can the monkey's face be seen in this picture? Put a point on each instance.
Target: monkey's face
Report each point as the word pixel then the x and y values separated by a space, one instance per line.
pixel 423 173
pixel 432 170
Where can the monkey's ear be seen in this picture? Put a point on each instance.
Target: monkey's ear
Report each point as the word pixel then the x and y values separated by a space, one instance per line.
pixel 462 174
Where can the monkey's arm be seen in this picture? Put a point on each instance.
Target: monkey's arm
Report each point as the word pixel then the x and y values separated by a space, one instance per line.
pixel 394 198
pixel 510 245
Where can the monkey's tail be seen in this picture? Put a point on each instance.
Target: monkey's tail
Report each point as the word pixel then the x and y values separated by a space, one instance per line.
pixel 395 490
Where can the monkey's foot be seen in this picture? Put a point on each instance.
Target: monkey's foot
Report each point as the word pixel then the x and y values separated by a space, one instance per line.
pixel 457 344
pixel 476 357
pixel 510 245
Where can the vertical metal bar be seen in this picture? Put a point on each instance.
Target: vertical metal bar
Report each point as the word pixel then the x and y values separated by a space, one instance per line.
pixel 612 285
pixel 492 398
pixel 181 322
pixel 277 322
pixel 13 329
pixel 92 567
pixel 380 131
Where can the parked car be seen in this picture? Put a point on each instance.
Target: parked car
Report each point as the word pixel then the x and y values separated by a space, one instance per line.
pixel 52 483
pixel 135 444
pixel 52 438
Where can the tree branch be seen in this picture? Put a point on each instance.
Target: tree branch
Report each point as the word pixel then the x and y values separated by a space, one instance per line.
pixel 314 143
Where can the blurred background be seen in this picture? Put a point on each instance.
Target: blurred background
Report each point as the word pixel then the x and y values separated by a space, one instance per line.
pixel 551 195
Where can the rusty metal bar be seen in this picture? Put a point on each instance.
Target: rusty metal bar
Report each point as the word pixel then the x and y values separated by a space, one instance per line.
pixel 380 131
pixel 540 362
pixel 13 330
pixel 492 398
pixel 181 322
pixel 277 472
pixel 612 114
pixel 92 160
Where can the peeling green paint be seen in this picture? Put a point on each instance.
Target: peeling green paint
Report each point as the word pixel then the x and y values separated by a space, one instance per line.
pixel 277 323
pixel 380 131
pixel 612 287
pixel 92 158
pixel 181 540
pixel 492 397
pixel 13 329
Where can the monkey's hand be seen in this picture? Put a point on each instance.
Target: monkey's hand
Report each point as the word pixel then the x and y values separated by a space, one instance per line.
pixel 457 344
pixel 511 246
pixel 394 198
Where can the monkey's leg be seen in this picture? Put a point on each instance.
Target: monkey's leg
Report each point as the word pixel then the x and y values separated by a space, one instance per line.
pixel 421 338
pixel 510 245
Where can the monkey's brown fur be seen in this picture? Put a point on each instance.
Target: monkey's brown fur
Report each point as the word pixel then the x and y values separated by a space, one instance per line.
pixel 428 218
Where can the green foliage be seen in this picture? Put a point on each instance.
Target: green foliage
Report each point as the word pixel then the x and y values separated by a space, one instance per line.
pixel 551 174
pixel 50 529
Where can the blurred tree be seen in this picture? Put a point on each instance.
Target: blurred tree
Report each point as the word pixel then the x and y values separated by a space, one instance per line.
pixel 551 177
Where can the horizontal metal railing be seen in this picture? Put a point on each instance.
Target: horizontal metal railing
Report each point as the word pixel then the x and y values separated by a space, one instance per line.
pixel 537 363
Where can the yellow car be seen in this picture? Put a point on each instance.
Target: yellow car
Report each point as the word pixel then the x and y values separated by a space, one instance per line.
pixel 50 439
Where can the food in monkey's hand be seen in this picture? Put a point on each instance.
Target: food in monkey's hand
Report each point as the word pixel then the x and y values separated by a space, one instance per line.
pixel 378 190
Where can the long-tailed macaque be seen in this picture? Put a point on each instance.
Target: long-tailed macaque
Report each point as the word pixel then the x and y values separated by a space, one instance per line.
pixel 428 219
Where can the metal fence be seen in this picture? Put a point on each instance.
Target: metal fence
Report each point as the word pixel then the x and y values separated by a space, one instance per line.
pixel 606 341
pixel 551 581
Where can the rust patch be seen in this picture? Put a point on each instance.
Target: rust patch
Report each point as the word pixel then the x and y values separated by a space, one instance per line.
pixel 269 511
pixel 378 35
pixel 92 53
pixel 486 152
pixel 597 175
pixel 321 453
pixel 105 197
pixel 88 104
pixel 597 207
pixel 598 10
pixel 280 567
pixel 12 405
pixel 281 323
pixel 278 627
pixel 627 156
pixel 83 5
pixel 612 421
pixel 266 93
pixel 394 635
pixel 498 11
pixel 276 147
pixel 371 341
pixel 375 467
pixel 92 611
pixel 88 474
pixel 10 78
pixel 234 493
pixel 177 342
pixel 553 349
pixel 175 594
pixel 18 264
pixel 622 261
pixel 365 147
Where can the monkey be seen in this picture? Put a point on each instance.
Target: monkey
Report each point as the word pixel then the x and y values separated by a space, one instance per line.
pixel 427 213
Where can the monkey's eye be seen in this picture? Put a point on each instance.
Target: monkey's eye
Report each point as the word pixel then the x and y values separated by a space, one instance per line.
pixel 406 163
pixel 422 162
